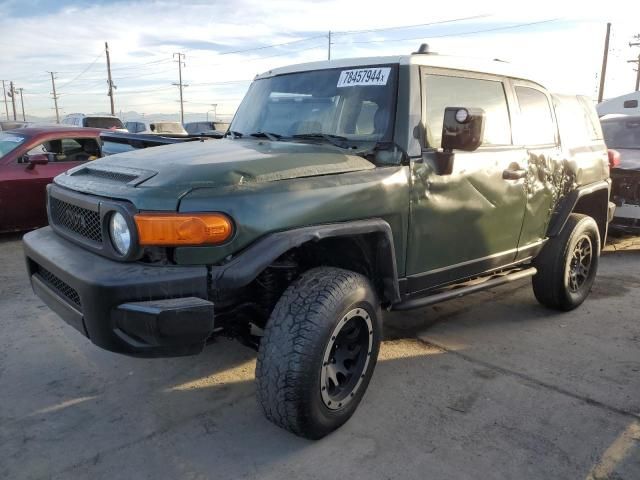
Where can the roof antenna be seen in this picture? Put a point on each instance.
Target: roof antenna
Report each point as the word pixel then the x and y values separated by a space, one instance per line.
pixel 423 49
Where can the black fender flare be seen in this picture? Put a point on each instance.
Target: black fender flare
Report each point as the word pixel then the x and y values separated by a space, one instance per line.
pixel 246 266
pixel 567 205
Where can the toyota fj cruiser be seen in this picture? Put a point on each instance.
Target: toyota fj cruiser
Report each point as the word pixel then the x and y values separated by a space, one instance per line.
pixel 342 188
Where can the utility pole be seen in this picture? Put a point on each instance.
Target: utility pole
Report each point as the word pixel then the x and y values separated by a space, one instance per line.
pixel 180 64
pixel 12 94
pixel 111 86
pixel 24 118
pixel 605 56
pixel 55 96
pixel 637 62
pixel 4 92
pixel 329 46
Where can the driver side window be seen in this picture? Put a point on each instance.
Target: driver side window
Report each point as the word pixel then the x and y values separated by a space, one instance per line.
pixel 444 91
pixel 41 149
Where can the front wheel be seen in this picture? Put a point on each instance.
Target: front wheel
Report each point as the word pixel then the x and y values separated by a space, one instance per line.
pixel 567 264
pixel 319 351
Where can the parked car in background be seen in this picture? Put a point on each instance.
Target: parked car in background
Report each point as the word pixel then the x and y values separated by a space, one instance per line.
pixel 108 122
pixel 12 124
pixel 119 142
pixel 206 128
pixel 156 128
pixel 622 134
pixel 29 159
pixel 628 104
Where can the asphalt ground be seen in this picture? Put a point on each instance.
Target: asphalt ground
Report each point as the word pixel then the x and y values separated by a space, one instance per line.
pixel 490 386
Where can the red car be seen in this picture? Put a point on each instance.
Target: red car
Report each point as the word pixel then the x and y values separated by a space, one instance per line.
pixel 29 159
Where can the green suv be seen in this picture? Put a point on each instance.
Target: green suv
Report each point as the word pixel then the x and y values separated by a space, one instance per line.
pixel 340 190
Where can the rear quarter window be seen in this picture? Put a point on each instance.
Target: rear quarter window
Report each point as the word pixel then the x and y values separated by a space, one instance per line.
pixel 578 121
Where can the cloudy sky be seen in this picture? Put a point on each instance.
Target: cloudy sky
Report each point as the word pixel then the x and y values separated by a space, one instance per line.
pixel 227 42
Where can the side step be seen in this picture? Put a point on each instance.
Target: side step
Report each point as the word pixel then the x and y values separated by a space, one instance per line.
pixel 462 291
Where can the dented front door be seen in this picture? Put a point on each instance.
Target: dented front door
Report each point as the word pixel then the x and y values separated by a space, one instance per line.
pixel 469 221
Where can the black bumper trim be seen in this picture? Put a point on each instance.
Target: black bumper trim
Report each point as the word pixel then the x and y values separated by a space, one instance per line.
pixel 103 285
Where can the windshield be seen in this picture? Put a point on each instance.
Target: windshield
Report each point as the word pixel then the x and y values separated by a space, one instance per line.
pixel 9 142
pixel 622 132
pixel 102 122
pixel 355 103
pixel 167 127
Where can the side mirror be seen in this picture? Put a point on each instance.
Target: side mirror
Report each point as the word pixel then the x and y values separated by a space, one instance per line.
pixel 37 159
pixel 462 129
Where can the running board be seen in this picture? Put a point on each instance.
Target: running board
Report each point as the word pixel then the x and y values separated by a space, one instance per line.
pixel 462 291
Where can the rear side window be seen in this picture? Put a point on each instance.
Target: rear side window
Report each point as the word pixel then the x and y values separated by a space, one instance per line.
pixel 537 126
pixel 444 91
pixel 577 120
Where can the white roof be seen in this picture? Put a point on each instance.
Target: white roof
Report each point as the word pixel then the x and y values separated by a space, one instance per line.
pixel 616 105
pixel 493 67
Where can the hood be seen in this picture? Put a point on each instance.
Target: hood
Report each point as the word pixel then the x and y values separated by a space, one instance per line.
pixel 228 162
pixel 629 158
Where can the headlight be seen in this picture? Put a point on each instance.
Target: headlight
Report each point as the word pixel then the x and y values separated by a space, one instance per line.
pixel 120 234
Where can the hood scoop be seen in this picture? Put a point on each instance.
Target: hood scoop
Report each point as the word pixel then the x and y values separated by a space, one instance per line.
pixel 113 174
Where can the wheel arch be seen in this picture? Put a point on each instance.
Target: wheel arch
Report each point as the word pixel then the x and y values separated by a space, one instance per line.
pixel 368 245
pixel 591 200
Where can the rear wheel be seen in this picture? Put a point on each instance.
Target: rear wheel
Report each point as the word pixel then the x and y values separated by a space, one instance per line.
pixel 319 351
pixel 568 264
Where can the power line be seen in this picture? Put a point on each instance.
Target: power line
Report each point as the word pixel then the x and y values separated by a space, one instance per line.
pixel 350 32
pixel 462 19
pixel 273 45
pixel 269 56
pixel 143 65
pixel 460 34
pixel 84 71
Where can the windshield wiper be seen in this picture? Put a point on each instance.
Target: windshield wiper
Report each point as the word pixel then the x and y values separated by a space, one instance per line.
pixel 233 134
pixel 337 140
pixel 274 137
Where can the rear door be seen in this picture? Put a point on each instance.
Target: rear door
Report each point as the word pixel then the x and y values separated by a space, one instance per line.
pixel 535 131
pixel 468 222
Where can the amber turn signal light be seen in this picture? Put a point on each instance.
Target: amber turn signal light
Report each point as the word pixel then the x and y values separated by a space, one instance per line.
pixel 183 229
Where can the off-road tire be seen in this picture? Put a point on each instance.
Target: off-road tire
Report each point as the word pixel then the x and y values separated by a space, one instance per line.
pixel 552 285
pixel 295 342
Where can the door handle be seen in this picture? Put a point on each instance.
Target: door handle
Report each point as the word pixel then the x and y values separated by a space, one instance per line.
pixel 516 174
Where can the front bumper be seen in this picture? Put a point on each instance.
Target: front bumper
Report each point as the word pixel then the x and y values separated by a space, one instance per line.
pixel 124 307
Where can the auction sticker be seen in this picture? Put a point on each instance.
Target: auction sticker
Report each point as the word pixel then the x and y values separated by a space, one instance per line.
pixel 364 77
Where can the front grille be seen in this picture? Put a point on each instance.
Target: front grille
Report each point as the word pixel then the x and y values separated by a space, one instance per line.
pixel 107 175
pixel 82 221
pixel 60 286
